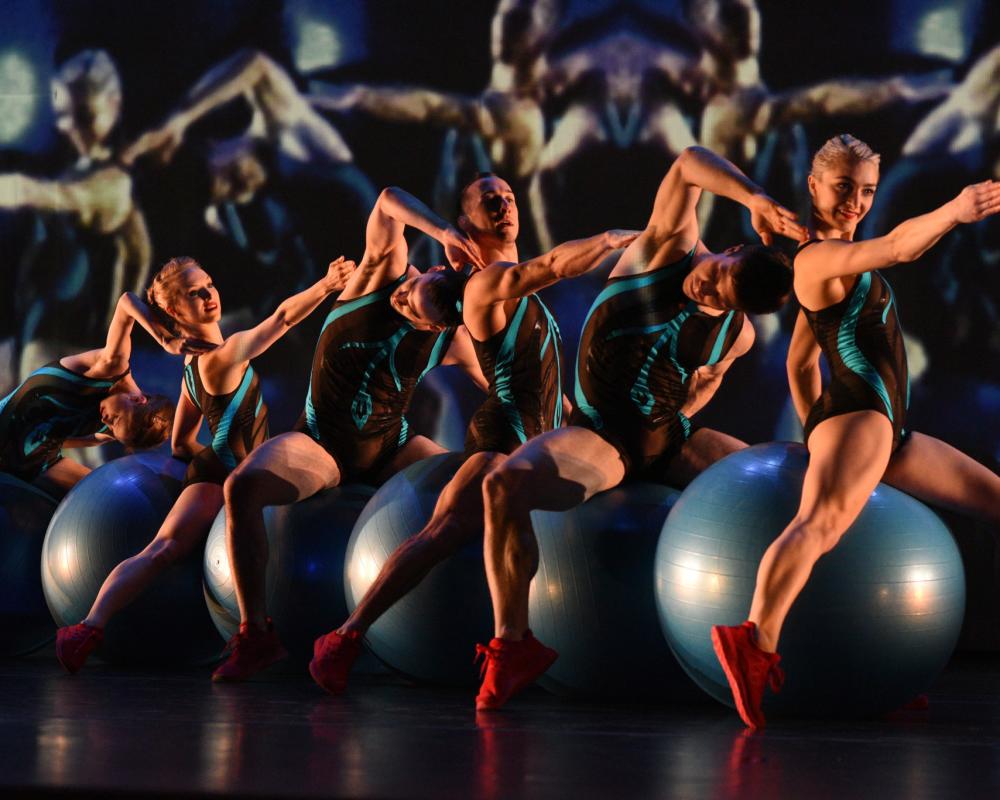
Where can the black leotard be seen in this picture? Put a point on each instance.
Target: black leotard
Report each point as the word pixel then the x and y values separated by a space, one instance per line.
pixel 237 421
pixel 642 339
pixel 863 344
pixel 367 363
pixel 523 364
pixel 51 405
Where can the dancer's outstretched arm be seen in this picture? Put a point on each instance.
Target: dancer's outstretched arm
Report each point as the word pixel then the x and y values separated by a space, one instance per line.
pixel 500 281
pixel 243 346
pixel 836 258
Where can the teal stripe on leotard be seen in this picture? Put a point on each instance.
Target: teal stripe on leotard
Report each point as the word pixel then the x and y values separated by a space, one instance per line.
pixel 502 374
pixel 612 290
pixel 189 382
pixel 720 340
pixel 847 347
pixel 58 372
pixel 220 442
pixel 553 332
pixel 335 314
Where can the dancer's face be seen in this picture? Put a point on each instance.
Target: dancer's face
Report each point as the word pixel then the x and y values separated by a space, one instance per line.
pixel 117 409
pixel 711 282
pixel 195 301
pixel 843 194
pixel 413 300
pixel 491 211
pixel 86 118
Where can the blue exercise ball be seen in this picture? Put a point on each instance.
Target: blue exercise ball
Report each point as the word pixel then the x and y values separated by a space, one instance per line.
pixel 430 634
pixel 305 568
pixel 110 515
pixel 592 599
pixel 25 512
pixel 877 621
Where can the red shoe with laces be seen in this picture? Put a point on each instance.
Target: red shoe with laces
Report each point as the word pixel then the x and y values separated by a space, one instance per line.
pixel 74 643
pixel 333 656
pixel 508 667
pixel 250 651
pixel 748 669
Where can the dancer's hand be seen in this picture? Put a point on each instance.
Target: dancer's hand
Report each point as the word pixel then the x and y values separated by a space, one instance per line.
pixel 186 345
pixel 161 142
pixel 460 250
pixel 769 217
pixel 339 273
pixel 978 201
pixel 617 238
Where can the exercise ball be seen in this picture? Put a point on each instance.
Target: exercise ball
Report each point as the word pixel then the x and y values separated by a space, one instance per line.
pixel 431 633
pixel 592 599
pixel 25 512
pixel 872 628
pixel 305 568
pixel 110 515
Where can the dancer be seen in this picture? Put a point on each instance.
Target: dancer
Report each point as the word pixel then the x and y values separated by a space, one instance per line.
pixel 655 347
pixel 519 349
pixel 221 386
pixel 90 241
pixel 853 427
pixel 85 400
pixel 390 326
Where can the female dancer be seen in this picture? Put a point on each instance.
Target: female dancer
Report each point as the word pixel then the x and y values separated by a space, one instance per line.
pixel 854 427
pixel 221 386
pixel 84 400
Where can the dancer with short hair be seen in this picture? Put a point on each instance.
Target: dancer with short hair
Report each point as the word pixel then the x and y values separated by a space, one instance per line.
pixel 655 346
pixel 518 346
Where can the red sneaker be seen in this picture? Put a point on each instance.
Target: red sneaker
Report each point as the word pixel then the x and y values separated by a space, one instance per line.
pixel 333 657
pixel 748 669
pixel 250 651
pixel 74 643
pixel 508 667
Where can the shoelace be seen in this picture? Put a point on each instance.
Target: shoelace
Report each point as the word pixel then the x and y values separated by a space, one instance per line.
pixel 488 654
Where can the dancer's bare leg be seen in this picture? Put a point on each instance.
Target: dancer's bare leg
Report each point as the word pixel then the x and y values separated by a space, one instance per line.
pixel 847 458
pixel 62 476
pixel 282 470
pixel 704 448
pixel 416 449
pixel 937 473
pixel 185 527
pixel 555 471
pixel 457 519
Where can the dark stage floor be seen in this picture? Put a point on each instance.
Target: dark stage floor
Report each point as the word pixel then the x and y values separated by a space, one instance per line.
pixel 114 733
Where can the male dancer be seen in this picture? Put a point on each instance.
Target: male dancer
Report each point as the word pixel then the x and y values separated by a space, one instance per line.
pixel 518 346
pixel 389 327
pixel 655 347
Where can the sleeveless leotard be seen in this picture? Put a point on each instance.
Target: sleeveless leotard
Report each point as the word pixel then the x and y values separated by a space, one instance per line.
pixel 863 344
pixel 367 362
pixel 523 365
pixel 51 405
pixel 642 339
pixel 237 421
